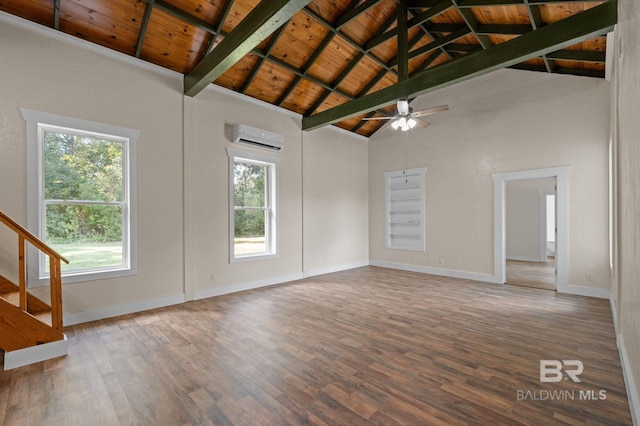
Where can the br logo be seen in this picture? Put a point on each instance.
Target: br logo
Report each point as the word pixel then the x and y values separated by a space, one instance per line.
pixel 551 370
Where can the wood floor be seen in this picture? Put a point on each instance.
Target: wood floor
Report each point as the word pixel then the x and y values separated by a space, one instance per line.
pixel 365 346
pixel 532 274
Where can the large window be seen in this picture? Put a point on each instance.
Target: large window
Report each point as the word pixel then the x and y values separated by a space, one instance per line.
pixel 80 195
pixel 252 200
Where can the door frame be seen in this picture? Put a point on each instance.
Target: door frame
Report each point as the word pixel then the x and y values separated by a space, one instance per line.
pixel 561 174
pixel 543 195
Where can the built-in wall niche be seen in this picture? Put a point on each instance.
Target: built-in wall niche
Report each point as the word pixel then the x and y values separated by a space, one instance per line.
pixel 405 204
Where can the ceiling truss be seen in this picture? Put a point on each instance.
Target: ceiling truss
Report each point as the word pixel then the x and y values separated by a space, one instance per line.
pixel 365 53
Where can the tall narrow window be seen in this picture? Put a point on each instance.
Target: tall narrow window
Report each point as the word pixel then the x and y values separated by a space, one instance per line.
pixel 253 179
pixel 80 197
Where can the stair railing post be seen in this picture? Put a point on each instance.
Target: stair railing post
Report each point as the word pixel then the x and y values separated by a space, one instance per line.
pixel 55 281
pixel 22 273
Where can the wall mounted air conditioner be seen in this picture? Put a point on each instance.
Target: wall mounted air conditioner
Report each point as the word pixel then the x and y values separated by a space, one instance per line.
pixel 257 138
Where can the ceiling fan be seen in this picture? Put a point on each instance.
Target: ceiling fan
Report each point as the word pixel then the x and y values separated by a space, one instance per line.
pixel 406 118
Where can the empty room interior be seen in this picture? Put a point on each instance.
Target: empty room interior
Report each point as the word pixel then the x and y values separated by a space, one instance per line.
pixel 393 212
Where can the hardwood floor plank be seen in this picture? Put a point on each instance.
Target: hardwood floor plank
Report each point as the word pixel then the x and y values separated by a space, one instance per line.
pixel 359 347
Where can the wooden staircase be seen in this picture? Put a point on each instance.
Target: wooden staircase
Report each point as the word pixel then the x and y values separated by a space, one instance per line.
pixel 25 320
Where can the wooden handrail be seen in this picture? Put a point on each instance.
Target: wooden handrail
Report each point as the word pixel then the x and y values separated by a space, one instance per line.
pixel 35 241
pixel 55 275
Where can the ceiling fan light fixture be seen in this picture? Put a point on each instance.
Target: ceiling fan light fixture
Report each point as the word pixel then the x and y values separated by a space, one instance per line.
pixel 404 124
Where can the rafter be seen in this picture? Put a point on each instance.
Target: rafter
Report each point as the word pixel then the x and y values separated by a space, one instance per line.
pixel 261 22
pixel 403 41
pixel 436 43
pixel 472 23
pixel 312 59
pixel 252 74
pixel 346 38
pixel 574 29
pixel 354 12
pixel 578 55
pixel 535 17
pixel 56 14
pixel 184 16
pixel 498 3
pixel 218 28
pixel 416 20
pixel 143 27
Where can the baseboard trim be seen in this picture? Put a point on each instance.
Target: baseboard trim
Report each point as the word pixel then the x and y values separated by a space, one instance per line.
pixel 614 313
pixel 235 288
pixel 629 382
pixel 339 268
pixel 28 356
pixel 526 259
pixel 437 271
pixel 129 308
pixel 600 293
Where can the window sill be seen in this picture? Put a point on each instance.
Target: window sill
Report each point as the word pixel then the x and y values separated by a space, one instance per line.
pixel 253 257
pixel 80 277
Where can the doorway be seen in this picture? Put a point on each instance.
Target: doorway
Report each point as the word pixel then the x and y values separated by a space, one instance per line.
pixel 531 233
pixel 561 255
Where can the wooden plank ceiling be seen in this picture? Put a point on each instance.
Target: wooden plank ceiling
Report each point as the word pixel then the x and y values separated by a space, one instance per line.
pixel 338 61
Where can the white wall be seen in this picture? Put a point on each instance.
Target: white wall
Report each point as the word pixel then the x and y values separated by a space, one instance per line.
pixel 208 120
pixel 523 221
pixel 182 173
pixel 625 131
pixel 505 121
pixel 44 74
pixel 336 219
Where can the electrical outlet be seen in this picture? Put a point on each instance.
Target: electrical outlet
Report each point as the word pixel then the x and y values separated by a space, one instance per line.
pixel 213 276
pixel 441 260
pixel 589 277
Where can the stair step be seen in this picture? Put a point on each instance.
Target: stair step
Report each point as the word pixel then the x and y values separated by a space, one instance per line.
pixel 43 316
pixel 11 297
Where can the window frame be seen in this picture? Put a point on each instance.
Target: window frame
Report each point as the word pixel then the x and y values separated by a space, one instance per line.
pixel 36 122
pixel 271 201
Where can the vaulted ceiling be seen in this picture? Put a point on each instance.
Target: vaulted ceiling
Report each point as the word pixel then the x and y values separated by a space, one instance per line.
pixel 338 61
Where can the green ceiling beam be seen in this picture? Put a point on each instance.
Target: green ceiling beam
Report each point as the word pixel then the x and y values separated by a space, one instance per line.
pixel 143 27
pixel 503 29
pixel 472 23
pixel 481 3
pixel 402 41
pixel 569 71
pixel 574 29
pixel 182 15
pixel 56 15
pixel 437 43
pixel 256 67
pixel 463 47
pixel 416 20
pixel 355 12
pixel 259 24
pixel 578 55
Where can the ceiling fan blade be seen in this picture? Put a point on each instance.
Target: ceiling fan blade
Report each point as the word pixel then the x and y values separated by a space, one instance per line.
pixel 421 123
pixel 384 127
pixel 429 111
pixel 377 118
